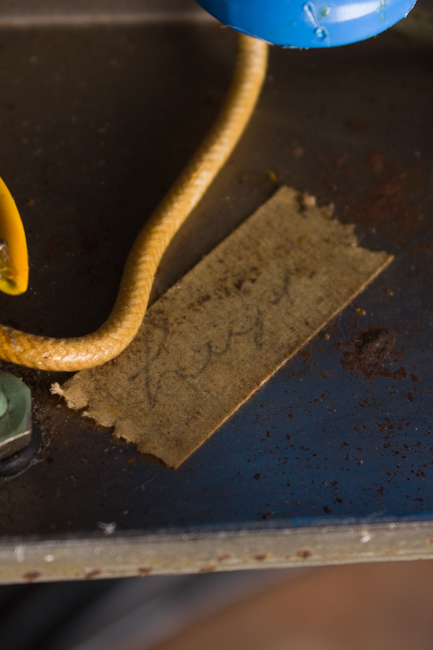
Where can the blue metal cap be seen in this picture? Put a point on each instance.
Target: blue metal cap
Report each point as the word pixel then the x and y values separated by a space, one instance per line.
pixel 309 23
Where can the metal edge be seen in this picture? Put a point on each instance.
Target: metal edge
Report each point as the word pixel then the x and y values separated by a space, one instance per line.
pixel 127 556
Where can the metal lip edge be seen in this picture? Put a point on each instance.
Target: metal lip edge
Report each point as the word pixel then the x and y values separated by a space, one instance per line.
pixel 94 19
pixel 128 556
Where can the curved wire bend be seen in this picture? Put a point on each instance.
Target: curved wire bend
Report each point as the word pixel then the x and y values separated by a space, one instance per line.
pixel 129 309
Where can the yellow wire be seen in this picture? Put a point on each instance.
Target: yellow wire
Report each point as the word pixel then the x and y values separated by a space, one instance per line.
pixel 128 312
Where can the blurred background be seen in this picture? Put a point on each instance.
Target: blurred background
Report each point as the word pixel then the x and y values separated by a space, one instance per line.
pixel 360 607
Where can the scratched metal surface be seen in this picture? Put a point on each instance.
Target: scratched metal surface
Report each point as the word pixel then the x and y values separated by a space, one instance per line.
pixel 95 124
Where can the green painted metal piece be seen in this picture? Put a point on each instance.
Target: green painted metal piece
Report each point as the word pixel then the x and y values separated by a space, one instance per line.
pixel 15 415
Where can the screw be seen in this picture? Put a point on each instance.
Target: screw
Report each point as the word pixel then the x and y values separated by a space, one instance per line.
pixel 15 415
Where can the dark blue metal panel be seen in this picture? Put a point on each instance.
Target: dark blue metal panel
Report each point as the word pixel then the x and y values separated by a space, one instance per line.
pixel 342 433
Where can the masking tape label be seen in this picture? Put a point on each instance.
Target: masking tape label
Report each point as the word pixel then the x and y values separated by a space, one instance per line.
pixel 215 337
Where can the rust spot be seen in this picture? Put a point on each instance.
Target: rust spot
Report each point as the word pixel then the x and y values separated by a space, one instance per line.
pixel 32 575
pixel 431 540
pixel 367 351
pixel 208 568
pixel 306 353
pixel 54 244
pixel 260 557
pixel 89 244
pixel 387 205
pixel 144 571
pixel 92 574
pixel 356 125
pixel 376 162
pixel 305 554
pixel 225 556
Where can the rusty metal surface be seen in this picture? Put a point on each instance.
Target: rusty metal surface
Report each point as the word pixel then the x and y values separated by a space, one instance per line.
pixel 207 551
pixel 96 124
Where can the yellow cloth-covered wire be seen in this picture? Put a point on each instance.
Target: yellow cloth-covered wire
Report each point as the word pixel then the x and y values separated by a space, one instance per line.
pixel 128 312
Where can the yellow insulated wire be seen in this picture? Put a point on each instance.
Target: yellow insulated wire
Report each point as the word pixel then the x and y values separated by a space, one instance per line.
pixel 14 263
pixel 128 312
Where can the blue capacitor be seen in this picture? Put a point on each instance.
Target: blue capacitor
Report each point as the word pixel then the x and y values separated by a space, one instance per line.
pixel 309 23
